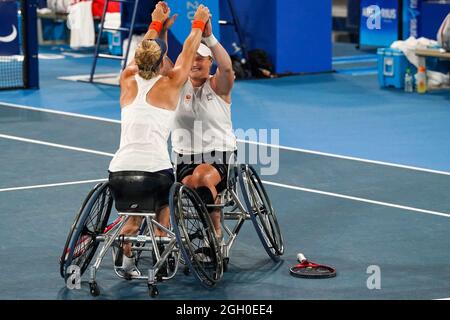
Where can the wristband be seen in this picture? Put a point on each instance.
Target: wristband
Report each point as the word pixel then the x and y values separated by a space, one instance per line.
pixel 199 24
pixel 156 25
pixel 210 41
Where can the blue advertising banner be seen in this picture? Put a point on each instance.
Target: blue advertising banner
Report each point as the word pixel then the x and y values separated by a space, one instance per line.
pixel 411 16
pixel 9 28
pixel 432 16
pixel 186 11
pixel 379 22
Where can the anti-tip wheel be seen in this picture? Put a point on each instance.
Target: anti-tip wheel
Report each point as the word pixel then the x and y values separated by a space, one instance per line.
pixel 93 289
pixel 153 291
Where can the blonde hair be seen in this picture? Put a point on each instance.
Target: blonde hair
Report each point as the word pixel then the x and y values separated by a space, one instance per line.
pixel 146 55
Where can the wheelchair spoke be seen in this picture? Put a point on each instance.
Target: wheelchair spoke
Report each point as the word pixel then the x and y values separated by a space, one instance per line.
pixel 84 244
pixel 196 235
pixel 261 212
pixel 93 218
pixel 261 206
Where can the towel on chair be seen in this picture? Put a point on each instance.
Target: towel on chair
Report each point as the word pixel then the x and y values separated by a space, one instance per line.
pixel 81 24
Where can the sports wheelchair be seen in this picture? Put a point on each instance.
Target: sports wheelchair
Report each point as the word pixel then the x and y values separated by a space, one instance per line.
pixel 190 239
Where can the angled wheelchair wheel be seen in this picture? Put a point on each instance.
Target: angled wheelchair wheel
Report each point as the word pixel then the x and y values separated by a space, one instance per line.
pixel 194 231
pixel 90 222
pixel 72 229
pixel 261 212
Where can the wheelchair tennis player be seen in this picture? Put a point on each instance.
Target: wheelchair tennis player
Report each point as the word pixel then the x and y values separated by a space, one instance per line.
pixel 202 136
pixel 141 172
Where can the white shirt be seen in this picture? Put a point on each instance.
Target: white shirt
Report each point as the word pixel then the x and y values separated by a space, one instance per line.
pixel 145 132
pixel 202 122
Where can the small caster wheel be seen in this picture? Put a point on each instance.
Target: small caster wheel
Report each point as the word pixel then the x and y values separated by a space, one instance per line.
pixel 94 290
pixel 186 271
pixel 153 291
pixel 225 264
pixel 172 263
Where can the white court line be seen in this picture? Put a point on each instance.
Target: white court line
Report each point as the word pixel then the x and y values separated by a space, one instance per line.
pixel 52 185
pixel 61 146
pixel 336 195
pixel 325 154
pixel 69 114
pixel 388 164
pixel 343 196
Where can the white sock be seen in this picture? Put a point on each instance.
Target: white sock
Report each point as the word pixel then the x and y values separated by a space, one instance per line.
pixel 128 264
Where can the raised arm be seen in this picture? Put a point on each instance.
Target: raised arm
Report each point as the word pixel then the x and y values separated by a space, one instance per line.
pixel 168 64
pixel 222 82
pixel 179 74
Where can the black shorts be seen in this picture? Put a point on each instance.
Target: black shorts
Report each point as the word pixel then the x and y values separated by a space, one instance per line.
pixel 186 165
pixel 140 191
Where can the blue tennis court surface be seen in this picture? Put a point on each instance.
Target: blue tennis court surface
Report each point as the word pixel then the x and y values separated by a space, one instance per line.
pixel 346 213
pixel 363 182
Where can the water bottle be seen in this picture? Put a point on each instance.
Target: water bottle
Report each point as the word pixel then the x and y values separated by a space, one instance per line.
pixel 421 80
pixel 409 86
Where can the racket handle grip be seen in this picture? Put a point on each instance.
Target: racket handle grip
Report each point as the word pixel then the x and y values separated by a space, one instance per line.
pixel 301 257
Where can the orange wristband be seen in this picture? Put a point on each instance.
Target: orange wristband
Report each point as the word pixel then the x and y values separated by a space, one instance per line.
pixel 156 25
pixel 198 24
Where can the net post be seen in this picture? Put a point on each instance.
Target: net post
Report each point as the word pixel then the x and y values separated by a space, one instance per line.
pixel 30 43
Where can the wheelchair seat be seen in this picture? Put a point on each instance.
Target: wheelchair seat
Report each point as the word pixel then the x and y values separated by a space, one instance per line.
pixel 138 191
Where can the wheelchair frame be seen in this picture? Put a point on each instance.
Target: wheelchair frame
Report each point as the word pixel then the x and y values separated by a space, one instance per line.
pixel 112 238
pixel 229 198
pixel 239 211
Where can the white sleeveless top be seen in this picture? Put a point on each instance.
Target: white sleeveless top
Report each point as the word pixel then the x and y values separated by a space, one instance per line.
pixel 202 122
pixel 145 132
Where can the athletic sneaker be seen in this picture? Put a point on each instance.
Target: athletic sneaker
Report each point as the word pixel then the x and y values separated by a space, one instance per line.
pixel 204 255
pixel 128 268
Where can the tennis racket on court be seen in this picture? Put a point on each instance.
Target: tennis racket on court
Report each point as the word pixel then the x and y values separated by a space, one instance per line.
pixel 311 270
